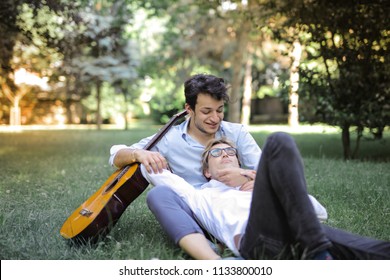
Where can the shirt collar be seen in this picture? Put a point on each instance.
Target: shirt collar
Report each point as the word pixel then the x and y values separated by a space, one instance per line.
pixel 213 184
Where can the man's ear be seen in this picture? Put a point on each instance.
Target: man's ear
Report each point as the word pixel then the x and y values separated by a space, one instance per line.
pixel 188 108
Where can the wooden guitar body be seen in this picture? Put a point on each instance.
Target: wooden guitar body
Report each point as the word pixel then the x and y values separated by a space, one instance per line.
pixel 96 216
pixel 100 212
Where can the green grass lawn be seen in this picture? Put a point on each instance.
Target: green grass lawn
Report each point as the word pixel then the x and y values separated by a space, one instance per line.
pixel 45 175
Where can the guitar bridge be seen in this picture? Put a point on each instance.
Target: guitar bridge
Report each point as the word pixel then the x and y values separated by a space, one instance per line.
pixel 85 212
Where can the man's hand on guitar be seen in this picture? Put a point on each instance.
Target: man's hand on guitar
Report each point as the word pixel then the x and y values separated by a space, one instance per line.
pixel 153 161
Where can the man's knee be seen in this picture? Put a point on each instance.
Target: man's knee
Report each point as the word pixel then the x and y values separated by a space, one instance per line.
pixel 171 212
pixel 280 136
pixel 157 195
pixel 282 139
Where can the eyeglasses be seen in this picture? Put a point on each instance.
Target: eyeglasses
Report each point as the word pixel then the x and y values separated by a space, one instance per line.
pixel 217 152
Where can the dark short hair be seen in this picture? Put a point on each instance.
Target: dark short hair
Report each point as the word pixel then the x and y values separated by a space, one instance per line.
pixel 209 146
pixel 206 84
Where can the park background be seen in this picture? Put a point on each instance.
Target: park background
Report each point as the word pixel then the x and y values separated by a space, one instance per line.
pixel 79 76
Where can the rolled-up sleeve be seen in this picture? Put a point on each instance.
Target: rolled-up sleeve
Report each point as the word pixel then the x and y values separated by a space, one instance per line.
pixel 113 151
pixel 116 148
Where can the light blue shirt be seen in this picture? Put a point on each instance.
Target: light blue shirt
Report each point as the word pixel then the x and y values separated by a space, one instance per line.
pixel 184 153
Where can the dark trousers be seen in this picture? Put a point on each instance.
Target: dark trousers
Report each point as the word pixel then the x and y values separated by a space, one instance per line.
pixel 282 222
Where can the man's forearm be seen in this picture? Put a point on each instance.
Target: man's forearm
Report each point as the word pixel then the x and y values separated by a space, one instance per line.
pixel 125 157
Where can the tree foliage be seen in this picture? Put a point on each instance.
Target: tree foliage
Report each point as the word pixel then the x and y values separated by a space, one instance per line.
pixel 107 56
pixel 28 26
pixel 345 74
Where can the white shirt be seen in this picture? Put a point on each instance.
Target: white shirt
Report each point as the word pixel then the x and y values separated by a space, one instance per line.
pixel 222 210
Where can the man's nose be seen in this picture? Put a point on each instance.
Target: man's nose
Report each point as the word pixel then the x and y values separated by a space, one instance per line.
pixel 215 117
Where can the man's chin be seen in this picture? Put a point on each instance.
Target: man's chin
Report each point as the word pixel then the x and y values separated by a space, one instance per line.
pixel 212 129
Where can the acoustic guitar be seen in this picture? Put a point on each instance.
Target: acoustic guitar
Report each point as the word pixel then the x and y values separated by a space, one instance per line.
pixel 94 219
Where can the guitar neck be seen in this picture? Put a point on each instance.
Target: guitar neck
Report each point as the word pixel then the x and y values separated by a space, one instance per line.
pixel 164 130
pixel 156 138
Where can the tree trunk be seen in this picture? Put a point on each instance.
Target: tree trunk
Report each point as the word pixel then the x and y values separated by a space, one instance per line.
pixel 68 102
pixel 98 109
pixel 235 106
pixel 293 115
pixel 246 100
pixel 237 64
pixel 358 138
pixel 16 114
pixel 346 141
pixel 125 112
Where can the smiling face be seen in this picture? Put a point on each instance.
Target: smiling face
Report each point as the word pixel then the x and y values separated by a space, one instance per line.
pixel 206 117
pixel 223 157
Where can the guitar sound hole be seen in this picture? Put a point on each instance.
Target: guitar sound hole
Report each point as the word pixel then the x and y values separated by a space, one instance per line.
pixel 111 185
